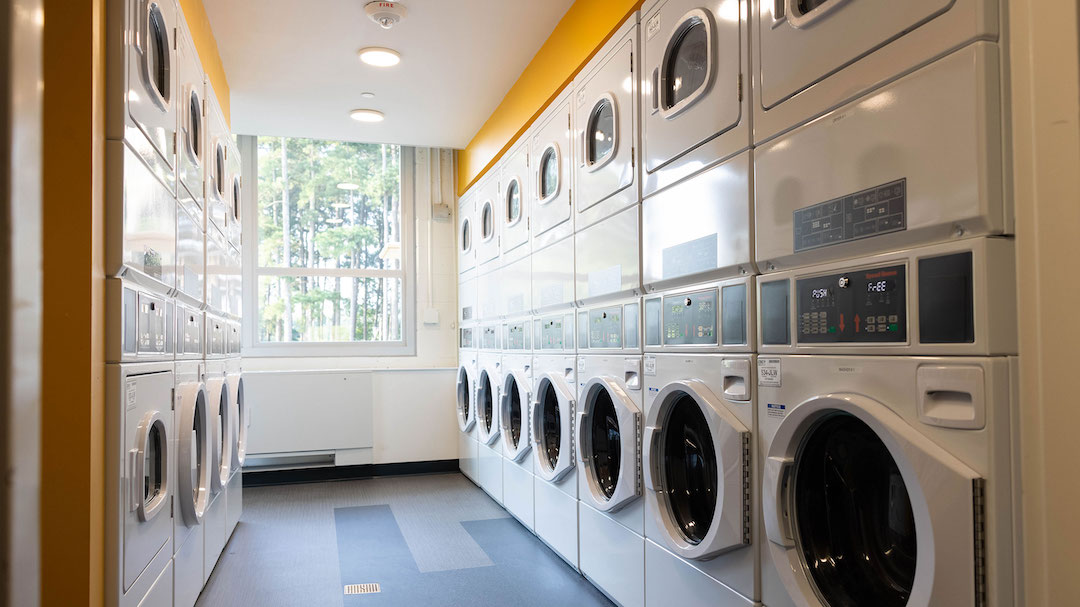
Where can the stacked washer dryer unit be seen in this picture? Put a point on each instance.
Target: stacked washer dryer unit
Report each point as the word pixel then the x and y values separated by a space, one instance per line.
pixel 607 268
pixel 554 394
pixel 887 314
pixel 141 264
pixel 489 360
pixel 698 271
pixel 239 411
pixel 468 338
pixel 515 390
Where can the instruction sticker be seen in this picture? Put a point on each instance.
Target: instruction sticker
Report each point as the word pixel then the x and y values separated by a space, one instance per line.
pixel 650 365
pixel 130 398
pixel 653 26
pixel 776 411
pixel 769 372
pixel 581 365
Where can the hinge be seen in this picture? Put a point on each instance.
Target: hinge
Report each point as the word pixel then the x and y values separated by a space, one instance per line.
pixel 631 62
pixel 747 513
pixel 173 399
pixel 739 87
pixel 573 442
pixel 632 155
pixel 978 493
pixel 174 143
pixel 172 506
pixel 637 435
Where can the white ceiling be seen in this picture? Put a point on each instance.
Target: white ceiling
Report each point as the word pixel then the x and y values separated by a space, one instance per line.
pixel 293 70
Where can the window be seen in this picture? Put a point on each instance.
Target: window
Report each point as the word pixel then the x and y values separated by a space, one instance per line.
pixel 333 244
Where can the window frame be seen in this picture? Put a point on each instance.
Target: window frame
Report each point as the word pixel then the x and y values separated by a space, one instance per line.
pixel 406 346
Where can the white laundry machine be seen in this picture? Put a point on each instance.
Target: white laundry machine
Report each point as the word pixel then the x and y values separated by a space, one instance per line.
pixel 611 513
pixel 695 103
pixel 221 429
pixel 554 408
pixel 239 415
pixel 606 129
pixel 219 258
pixel 847 48
pixel 697 446
pixel 514 414
pixel 465 410
pixel 488 220
pixel 466 216
pixel 488 383
pixel 191 135
pixel 489 293
pixel 216 174
pixel 550 159
pixel 139 477
pixel 919 160
pixel 515 184
pixel 908 393
pixel 234 193
pixel 192 464
pixel 142 81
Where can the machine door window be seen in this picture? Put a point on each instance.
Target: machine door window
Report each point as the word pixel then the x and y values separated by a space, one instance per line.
pixel 606 443
pixel 194 130
pixel 236 198
pixel 241 423
pixel 487 222
pixel 513 423
pixel 151 467
pixel 486 407
pixel 550 424
pixel 549 174
pixel 463 397
pixel 219 170
pixel 689 469
pixel 600 136
pixel 686 67
pixel 854 523
pixel 466 236
pixel 156 51
pixel 513 202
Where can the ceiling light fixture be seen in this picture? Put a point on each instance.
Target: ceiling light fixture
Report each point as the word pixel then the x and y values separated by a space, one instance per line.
pixel 347 186
pixel 367 95
pixel 379 56
pixel 366 115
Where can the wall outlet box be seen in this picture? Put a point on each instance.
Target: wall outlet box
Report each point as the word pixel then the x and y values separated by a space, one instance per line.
pixel 431 316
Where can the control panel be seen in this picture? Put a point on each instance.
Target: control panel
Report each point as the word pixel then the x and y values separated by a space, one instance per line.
pixel 489 339
pixel 690 318
pixel 605 327
pixel 857 306
pixel 516 337
pixel 467 339
pixel 552 333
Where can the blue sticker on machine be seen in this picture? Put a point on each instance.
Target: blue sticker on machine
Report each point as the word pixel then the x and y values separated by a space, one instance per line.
pixel 775 410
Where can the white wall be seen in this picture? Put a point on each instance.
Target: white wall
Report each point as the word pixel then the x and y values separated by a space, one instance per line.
pixel 412 396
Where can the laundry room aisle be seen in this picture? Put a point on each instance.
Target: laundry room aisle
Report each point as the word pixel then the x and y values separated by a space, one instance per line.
pixel 425 540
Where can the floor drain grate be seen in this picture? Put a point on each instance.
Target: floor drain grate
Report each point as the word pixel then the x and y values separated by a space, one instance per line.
pixel 362 589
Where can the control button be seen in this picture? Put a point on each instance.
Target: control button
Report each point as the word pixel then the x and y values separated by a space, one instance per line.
pixel 843 282
pixel 870 328
pixel 881 328
pixel 894 318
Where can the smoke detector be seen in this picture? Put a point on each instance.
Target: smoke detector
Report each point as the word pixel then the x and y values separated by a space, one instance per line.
pixel 386 14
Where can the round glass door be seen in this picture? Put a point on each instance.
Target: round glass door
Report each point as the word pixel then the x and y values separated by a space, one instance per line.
pixel 241 424
pixel 487 222
pixel 463 399
pixel 549 174
pixel 219 169
pixel 153 472
pixel 686 62
pixel 689 469
pixel 487 410
pixel 151 466
pixel 550 425
pixel 600 134
pixel 224 432
pixel 853 517
pixel 157 52
pixel 194 458
pixel 513 411
pixel 236 198
pixel 513 202
pixel 605 443
pixel 194 131
pixel 466 236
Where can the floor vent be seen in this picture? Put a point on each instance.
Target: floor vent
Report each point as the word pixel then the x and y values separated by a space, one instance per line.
pixel 362 589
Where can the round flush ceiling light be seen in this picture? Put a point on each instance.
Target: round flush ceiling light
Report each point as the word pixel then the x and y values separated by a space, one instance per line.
pixel 379 56
pixel 366 115
pixel 367 95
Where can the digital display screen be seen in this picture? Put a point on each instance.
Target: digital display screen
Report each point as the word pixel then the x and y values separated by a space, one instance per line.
pixel 880 286
pixel 820 293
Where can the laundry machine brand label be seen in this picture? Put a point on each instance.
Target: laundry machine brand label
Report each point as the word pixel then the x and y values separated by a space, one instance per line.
pixel 650 365
pixel 652 28
pixel 775 411
pixel 769 374
pixel 130 395
pixel 871 212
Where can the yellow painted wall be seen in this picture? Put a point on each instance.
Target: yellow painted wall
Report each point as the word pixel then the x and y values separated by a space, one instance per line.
pixel 584 28
pixel 199 24
pixel 72 413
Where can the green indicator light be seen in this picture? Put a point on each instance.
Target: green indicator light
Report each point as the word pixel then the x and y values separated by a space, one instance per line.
pixel 832 329
pixel 894 327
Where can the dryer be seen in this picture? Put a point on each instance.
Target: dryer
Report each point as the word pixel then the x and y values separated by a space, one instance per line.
pixel 488 220
pixel 233 193
pixel 910 374
pixel 550 159
pixel 554 411
pixel 192 462
pixel 217 171
pixel 515 397
pixel 221 429
pixel 917 161
pixel 845 49
pixel 465 398
pixel 611 513
pixel 191 114
pixel 488 382
pixel 142 82
pixel 699 374
pixel 466 247
pixel 515 183
pixel 139 447
pixel 695 106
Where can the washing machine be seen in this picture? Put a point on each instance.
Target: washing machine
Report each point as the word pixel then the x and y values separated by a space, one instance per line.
pixel 221 429
pixel 142 81
pixel 239 415
pixel 515 184
pixel 465 410
pixel 606 129
pixel 611 513
pixel 139 446
pixel 191 446
pixel 550 159
pixel 216 174
pixel 515 397
pixel 488 382
pixel 847 48
pixel 896 374
pixel 917 161
pixel 488 220
pixel 699 374
pixel 694 95
pixel 554 407
pixel 191 116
